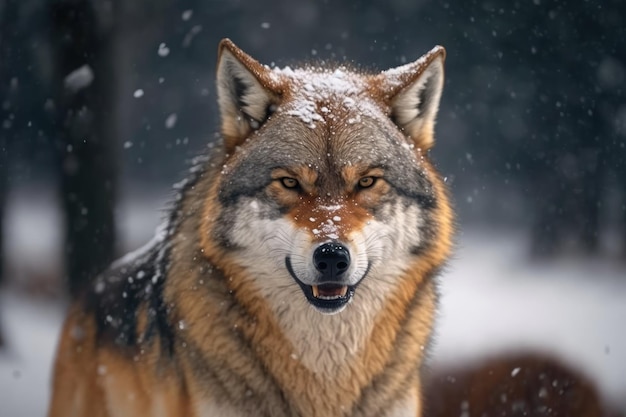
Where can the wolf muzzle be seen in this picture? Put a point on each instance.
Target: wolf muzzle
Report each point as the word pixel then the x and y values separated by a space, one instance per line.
pixel 331 292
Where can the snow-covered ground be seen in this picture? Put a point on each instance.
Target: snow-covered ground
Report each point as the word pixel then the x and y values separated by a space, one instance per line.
pixel 31 328
pixel 493 300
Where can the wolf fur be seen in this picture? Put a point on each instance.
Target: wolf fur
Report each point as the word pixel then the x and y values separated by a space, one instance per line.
pixel 296 273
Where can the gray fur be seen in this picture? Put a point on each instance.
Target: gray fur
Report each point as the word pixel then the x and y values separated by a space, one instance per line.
pixel 280 146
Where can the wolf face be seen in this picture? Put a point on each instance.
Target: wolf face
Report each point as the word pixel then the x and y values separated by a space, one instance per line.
pixel 326 187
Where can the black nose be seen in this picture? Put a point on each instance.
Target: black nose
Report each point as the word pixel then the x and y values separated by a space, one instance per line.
pixel 331 259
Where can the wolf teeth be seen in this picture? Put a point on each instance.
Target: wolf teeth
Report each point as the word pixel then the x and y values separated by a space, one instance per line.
pixel 329 297
pixel 316 293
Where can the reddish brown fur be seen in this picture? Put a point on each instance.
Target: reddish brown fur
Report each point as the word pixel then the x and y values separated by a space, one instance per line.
pixel 518 385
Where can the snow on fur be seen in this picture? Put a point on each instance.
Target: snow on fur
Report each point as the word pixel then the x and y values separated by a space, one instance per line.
pixel 316 86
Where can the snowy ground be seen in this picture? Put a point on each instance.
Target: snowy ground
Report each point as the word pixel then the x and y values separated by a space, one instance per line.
pixel 31 328
pixel 492 301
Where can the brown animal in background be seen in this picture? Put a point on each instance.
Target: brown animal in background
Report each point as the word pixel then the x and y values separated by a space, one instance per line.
pixel 522 385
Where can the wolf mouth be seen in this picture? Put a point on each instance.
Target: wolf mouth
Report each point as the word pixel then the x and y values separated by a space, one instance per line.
pixel 329 291
pixel 328 297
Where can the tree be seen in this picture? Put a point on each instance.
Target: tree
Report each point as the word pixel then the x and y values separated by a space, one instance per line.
pixel 83 124
pixel 9 66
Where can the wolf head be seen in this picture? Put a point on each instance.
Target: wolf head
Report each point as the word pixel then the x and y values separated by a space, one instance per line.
pixel 325 188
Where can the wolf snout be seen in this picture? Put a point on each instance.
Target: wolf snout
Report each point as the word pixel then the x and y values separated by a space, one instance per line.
pixel 331 260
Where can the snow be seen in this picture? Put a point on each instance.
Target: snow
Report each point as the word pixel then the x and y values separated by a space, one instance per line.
pixel 317 87
pixel 31 328
pixel 171 120
pixel 189 37
pixel 139 254
pixel 492 301
pixel 33 231
pixel 78 79
pixel 396 77
pixel 163 50
pixel 187 14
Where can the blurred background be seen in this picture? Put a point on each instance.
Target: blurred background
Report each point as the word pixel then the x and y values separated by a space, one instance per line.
pixel 103 102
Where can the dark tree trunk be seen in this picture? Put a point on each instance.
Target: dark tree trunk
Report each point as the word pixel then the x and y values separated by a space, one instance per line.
pixel 11 57
pixel 3 185
pixel 4 173
pixel 84 120
pixel 10 63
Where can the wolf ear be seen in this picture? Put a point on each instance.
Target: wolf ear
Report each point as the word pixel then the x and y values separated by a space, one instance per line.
pixel 246 93
pixel 413 92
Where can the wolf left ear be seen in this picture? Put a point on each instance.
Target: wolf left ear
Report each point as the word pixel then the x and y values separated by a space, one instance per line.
pixel 246 93
pixel 413 92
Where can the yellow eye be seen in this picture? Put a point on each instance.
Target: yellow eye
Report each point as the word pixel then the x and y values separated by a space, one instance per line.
pixel 367 182
pixel 289 182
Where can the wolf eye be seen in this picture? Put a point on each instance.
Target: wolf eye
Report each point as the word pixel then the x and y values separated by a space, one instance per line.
pixel 367 182
pixel 289 182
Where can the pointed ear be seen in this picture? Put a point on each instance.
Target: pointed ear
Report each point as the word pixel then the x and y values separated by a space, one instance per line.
pixel 413 92
pixel 245 91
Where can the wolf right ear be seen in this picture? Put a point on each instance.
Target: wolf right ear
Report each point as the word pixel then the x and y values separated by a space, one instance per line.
pixel 246 93
pixel 412 92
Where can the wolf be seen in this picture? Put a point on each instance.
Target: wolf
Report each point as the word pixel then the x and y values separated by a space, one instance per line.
pixel 296 273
